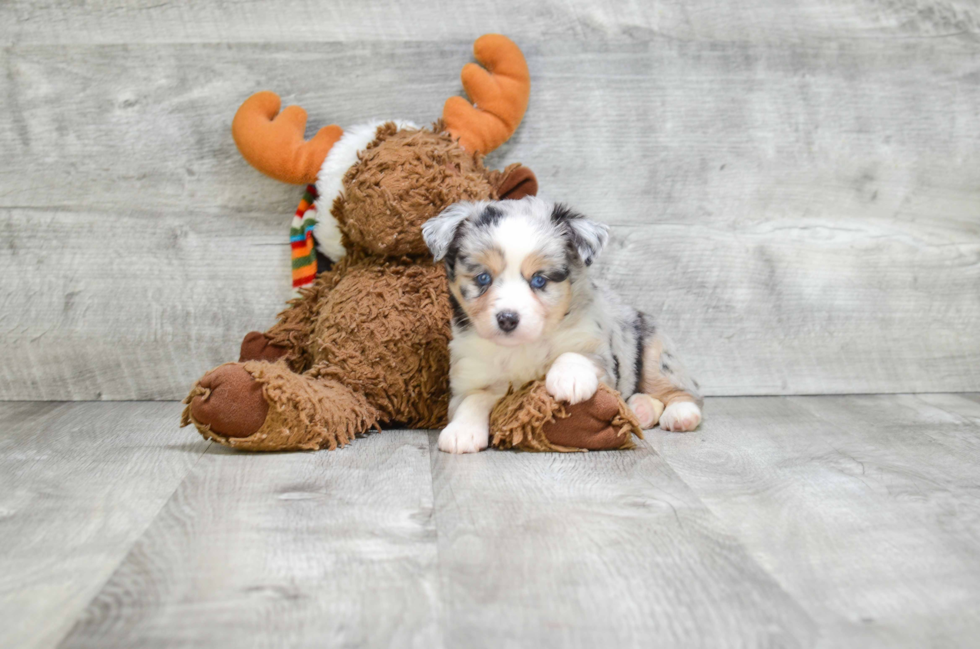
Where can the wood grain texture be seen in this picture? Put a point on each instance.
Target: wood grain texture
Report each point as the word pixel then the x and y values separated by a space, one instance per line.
pixel 801 216
pixel 594 550
pixel 282 550
pixel 126 21
pixel 864 508
pixel 132 306
pixel 784 521
pixel 79 483
pixel 960 399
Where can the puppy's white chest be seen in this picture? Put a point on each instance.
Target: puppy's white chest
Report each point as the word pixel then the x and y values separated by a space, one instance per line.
pixel 524 363
pixel 478 364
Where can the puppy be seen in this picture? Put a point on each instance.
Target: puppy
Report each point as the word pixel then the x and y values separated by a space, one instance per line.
pixel 524 307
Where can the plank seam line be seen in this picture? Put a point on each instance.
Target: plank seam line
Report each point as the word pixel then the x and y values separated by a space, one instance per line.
pixel 125 555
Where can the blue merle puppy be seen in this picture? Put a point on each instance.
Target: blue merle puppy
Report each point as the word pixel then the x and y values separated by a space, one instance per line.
pixel 525 307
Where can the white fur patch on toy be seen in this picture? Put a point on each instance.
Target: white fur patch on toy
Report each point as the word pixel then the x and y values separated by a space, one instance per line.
pixel 330 181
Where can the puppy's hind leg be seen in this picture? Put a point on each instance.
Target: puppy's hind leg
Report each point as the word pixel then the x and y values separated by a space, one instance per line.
pixel 664 379
pixel 646 408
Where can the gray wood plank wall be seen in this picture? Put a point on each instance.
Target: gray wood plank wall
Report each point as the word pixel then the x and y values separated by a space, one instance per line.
pixel 794 190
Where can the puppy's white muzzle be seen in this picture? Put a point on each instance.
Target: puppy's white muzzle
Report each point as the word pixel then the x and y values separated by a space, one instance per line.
pixel 517 313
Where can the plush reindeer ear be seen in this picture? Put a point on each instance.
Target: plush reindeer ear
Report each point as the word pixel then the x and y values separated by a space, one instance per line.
pixel 440 231
pixel 585 235
pixel 517 182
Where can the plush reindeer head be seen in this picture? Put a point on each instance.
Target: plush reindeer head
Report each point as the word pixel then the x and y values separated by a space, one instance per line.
pixel 381 181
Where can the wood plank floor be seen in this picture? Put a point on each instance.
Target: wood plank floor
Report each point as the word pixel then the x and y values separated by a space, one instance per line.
pixel 784 522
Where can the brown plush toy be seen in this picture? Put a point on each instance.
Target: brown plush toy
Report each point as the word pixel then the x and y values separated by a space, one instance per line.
pixel 365 345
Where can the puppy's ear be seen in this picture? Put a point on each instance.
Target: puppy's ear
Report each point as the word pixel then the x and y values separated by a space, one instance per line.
pixel 585 235
pixel 440 231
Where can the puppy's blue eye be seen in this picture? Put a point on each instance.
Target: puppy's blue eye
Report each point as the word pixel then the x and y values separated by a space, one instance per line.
pixel 538 281
pixel 483 279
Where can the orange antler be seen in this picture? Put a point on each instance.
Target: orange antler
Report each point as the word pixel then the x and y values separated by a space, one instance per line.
pixel 499 93
pixel 273 143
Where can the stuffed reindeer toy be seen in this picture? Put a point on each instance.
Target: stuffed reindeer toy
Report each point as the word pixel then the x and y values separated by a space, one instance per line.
pixel 365 344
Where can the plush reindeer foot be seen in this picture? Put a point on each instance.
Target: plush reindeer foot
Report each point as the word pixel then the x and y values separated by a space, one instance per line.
pixel 227 401
pixel 256 347
pixel 260 406
pixel 532 420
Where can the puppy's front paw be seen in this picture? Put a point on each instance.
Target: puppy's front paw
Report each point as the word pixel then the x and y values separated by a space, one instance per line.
pixel 572 378
pixel 464 437
pixel 681 417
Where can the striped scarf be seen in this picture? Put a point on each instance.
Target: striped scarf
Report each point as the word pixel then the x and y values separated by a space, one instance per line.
pixel 302 242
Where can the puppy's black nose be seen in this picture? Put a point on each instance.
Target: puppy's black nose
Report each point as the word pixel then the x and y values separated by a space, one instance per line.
pixel 507 320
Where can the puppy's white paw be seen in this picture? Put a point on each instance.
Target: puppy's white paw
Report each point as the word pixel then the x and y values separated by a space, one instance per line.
pixel 681 417
pixel 464 437
pixel 646 408
pixel 572 378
